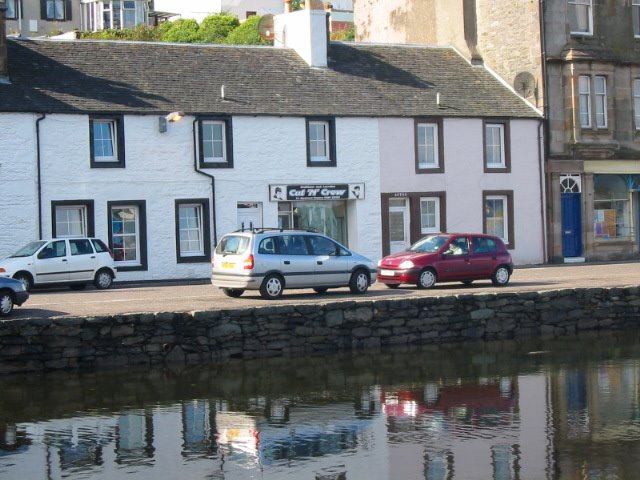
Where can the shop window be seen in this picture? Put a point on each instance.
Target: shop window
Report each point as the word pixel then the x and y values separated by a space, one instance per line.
pixel 327 217
pixel 612 213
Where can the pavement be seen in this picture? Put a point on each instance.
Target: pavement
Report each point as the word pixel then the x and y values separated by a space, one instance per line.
pixel 194 296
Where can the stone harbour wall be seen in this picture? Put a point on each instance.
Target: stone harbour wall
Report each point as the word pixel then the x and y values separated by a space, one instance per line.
pixel 29 345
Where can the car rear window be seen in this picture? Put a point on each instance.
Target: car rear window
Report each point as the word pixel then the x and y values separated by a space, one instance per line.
pixel 99 246
pixel 80 247
pixel 232 245
pixel 484 245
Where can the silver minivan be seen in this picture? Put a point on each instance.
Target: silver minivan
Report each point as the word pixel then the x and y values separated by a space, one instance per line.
pixel 270 260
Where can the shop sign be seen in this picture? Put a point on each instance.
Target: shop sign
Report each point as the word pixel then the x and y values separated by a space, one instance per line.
pixel 339 191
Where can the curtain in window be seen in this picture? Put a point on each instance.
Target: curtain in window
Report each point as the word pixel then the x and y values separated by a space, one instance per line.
pixel 427 145
pixel 190 226
pixel 584 92
pixel 579 15
pixel 494 145
pixel 124 232
pixel 495 217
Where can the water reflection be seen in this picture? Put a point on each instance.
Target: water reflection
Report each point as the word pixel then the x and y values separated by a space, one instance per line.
pixel 564 409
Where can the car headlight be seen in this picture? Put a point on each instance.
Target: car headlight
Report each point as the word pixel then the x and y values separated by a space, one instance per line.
pixel 407 264
pixel 2 270
pixel 20 288
pixel 380 262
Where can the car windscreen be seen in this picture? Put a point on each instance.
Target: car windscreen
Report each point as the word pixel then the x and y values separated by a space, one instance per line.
pixel 430 244
pixel 232 245
pixel 29 249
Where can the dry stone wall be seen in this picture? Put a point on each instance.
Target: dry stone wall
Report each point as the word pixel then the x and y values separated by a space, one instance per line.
pixel 299 330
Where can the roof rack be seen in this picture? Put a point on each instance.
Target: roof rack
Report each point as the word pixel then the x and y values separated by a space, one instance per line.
pixel 253 229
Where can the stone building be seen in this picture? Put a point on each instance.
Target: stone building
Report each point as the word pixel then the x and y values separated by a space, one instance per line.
pixel 579 62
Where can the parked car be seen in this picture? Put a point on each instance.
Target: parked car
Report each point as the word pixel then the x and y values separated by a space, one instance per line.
pixel 71 261
pixel 12 292
pixel 446 257
pixel 270 260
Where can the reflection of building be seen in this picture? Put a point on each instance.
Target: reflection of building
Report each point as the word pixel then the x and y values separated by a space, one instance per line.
pixel 579 62
pixel 596 414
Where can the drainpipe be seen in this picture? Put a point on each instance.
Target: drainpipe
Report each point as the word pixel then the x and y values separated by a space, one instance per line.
pixel 38 173
pixel 213 185
pixel 546 128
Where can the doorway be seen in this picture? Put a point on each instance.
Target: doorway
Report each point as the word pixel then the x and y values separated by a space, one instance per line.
pixel 398 224
pixel 249 215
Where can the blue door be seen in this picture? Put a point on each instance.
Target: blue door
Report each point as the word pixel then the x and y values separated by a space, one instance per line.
pixel 571 223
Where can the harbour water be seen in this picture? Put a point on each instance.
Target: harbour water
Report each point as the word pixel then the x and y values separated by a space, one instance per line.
pixel 538 409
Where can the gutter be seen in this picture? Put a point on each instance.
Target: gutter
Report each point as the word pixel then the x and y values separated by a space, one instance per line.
pixel 38 173
pixel 213 185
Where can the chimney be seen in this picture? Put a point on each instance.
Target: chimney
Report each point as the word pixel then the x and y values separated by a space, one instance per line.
pixel 4 66
pixel 305 31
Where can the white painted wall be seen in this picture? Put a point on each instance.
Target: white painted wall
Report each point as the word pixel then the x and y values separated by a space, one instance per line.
pixel 306 32
pixel 272 150
pixel 18 207
pixel 199 9
pixel 464 178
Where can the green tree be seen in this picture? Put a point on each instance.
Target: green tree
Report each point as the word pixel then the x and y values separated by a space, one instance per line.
pixel 216 28
pixel 247 33
pixel 347 35
pixel 183 30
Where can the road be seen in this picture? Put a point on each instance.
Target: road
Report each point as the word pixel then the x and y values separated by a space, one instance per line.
pixel 164 297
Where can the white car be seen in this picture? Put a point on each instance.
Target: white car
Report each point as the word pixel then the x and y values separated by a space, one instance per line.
pixel 71 261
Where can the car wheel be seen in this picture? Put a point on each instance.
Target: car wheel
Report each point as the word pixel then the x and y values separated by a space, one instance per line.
pixel 78 286
pixel 232 292
pixel 467 282
pixel 25 278
pixel 6 303
pixel 359 282
pixel 392 286
pixel 103 280
pixel 427 278
pixel 320 289
pixel 501 276
pixel 272 287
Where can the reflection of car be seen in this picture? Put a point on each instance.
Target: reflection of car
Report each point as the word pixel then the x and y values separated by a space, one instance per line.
pixel 72 261
pixel 448 258
pixel 271 260
pixel 12 292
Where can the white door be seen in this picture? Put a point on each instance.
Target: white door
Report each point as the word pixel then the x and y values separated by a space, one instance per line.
pixel 398 225
pixel 249 215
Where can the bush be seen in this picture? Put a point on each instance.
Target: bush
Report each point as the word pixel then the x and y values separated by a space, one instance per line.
pixel 184 30
pixel 216 28
pixel 348 35
pixel 247 33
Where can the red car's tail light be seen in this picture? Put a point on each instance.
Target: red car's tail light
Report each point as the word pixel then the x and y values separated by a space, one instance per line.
pixel 248 263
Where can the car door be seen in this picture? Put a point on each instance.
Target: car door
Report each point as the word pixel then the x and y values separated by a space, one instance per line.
pixel 331 268
pixel 455 261
pixel 82 260
pixel 298 264
pixel 484 256
pixel 51 263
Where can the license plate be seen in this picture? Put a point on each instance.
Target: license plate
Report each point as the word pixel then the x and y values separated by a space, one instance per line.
pixel 387 273
pixel 228 265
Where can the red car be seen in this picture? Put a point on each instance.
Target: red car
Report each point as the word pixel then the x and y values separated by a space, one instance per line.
pixel 444 257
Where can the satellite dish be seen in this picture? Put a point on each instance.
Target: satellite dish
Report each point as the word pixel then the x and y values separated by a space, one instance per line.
pixel 524 84
pixel 265 27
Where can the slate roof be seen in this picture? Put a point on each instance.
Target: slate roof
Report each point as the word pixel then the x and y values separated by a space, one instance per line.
pixel 155 78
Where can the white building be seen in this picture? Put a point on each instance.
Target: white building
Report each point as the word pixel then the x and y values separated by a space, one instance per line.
pixel 374 145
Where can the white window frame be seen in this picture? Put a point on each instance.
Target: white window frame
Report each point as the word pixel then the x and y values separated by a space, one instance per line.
pixel 426 148
pixel 317 141
pixel 193 230
pixel 135 235
pixel 576 5
pixel 208 139
pixel 635 14
pixel 584 101
pixel 494 149
pixel 113 141
pixel 505 220
pixel 64 223
pixel 600 94
pixel 429 220
pixel 636 101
